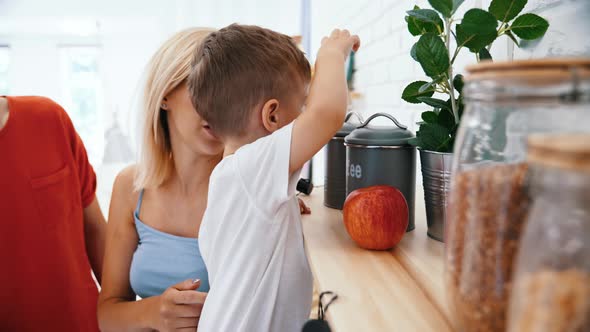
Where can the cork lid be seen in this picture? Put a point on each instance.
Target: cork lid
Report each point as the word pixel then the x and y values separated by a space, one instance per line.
pixel 566 151
pixel 534 72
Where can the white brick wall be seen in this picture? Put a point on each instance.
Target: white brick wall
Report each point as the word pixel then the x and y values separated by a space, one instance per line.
pixel 384 66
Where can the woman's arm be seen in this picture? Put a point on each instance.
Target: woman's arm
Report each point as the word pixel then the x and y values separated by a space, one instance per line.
pixel 117 308
pixel 178 308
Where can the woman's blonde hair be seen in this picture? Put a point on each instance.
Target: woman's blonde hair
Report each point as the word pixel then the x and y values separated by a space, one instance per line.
pixel 168 68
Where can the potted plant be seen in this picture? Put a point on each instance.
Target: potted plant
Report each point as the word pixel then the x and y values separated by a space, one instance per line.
pixel 436 53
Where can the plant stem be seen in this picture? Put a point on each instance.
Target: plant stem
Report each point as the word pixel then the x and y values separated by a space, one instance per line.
pixel 450 74
pixel 503 28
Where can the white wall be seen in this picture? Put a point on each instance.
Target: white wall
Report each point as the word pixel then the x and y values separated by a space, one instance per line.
pixel 283 16
pixel 128 33
pixel 567 35
pixel 384 65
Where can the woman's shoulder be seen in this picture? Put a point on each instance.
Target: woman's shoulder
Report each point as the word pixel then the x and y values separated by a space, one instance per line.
pixel 127 174
pixel 124 186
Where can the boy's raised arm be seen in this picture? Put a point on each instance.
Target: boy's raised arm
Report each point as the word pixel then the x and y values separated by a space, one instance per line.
pixel 327 100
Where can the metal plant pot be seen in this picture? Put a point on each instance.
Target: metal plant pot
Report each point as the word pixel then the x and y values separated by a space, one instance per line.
pixel 436 175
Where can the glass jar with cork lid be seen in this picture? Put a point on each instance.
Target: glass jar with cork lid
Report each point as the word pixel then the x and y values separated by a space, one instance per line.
pixel 551 291
pixel 505 102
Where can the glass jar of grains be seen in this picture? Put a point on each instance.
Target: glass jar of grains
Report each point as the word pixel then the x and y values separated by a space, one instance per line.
pixel 489 199
pixel 551 291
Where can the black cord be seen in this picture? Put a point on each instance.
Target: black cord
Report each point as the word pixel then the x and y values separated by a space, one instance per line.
pixel 321 309
pixel 320 324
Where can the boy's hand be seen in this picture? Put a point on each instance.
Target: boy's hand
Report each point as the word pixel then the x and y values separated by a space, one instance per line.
pixel 304 209
pixel 341 42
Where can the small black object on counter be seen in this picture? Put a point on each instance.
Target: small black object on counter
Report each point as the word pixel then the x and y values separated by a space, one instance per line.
pixel 304 186
pixel 320 324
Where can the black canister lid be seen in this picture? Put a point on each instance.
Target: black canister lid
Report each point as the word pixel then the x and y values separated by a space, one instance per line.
pixel 348 127
pixel 396 135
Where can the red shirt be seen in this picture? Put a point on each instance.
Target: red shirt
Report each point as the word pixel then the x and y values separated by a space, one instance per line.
pixel 45 182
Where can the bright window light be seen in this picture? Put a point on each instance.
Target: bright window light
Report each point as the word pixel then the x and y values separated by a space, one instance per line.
pixel 4 66
pixel 83 98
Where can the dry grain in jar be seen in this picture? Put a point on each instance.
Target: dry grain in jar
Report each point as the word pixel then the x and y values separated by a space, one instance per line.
pixel 491 204
pixel 552 301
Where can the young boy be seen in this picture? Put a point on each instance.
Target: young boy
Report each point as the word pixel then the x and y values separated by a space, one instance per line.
pixel 250 84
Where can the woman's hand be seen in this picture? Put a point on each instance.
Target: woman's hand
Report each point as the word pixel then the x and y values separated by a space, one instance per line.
pixel 304 209
pixel 179 307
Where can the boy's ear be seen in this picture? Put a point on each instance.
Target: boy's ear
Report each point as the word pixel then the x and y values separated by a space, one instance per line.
pixel 270 115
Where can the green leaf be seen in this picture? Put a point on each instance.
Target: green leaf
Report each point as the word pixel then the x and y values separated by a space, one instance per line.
pixel 413 27
pixel 411 92
pixel 428 86
pixel 438 103
pixel 447 119
pixel 511 36
pixel 434 137
pixel 445 7
pixel 413 52
pixel 430 117
pixel 432 55
pixel 484 54
pixel 529 26
pixel 474 42
pixel 457 4
pixel 458 83
pixel 506 10
pixel 418 28
pixel 477 29
pixel 478 21
pixel 427 16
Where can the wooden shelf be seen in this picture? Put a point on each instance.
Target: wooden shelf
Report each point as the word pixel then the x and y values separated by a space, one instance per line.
pixel 397 290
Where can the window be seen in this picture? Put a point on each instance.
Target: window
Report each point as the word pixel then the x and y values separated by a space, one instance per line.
pixel 82 96
pixel 4 64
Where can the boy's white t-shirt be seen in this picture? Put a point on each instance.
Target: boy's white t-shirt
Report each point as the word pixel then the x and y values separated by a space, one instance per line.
pixel 252 242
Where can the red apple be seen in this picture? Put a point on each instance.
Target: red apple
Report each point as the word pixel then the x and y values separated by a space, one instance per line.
pixel 376 217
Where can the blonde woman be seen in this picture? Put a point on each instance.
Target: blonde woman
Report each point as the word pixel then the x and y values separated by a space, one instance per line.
pixel 157 206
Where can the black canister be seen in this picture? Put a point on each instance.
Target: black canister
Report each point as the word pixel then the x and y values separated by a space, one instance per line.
pixel 335 176
pixel 382 155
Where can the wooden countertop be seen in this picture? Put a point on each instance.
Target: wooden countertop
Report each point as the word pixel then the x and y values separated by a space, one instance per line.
pixel 397 290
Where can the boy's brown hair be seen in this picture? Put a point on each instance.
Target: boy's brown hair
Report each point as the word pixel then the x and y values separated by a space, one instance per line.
pixel 238 68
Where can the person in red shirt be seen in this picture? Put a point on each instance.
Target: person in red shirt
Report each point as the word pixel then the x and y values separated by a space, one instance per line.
pixel 52 230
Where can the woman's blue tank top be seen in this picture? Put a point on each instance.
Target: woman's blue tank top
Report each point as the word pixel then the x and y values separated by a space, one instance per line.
pixel 162 260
